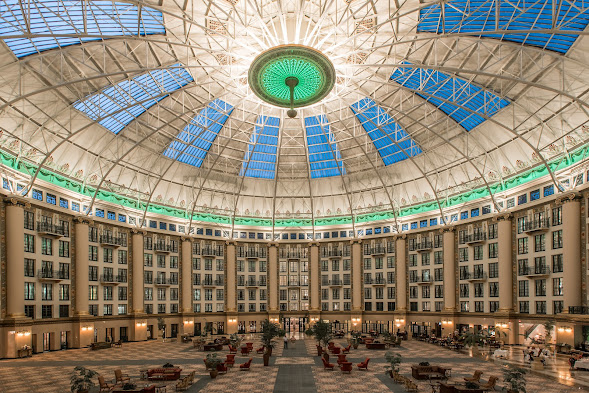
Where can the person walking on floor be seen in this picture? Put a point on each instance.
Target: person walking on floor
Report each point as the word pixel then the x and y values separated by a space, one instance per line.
pixel 285 342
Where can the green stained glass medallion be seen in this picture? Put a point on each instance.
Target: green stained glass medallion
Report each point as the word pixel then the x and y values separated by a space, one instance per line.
pixel 300 70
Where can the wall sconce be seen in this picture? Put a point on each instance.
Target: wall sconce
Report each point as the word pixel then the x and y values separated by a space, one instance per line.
pixel 565 329
pixel 23 333
pixel 142 324
pixel 501 325
pixel 190 322
pixel 446 322
pixel 86 328
pixel 232 320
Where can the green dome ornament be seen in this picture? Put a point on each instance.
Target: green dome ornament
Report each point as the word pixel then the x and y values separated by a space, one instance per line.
pixel 291 76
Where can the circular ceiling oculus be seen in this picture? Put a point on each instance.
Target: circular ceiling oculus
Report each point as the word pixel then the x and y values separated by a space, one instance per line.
pixel 291 76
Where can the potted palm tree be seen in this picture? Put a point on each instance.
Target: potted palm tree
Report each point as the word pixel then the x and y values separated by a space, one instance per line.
pixel 81 379
pixel 515 379
pixel 548 327
pixel 321 330
pixel 472 339
pixel 212 361
pixel 269 332
pixel 356 339
pixel 394 361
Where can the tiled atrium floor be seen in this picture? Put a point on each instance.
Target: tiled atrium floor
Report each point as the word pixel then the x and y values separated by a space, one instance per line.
pixel 291 370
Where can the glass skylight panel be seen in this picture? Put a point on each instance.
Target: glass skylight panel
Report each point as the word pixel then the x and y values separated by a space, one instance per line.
pixel 193 143
pixel 391 141
pixel 325 159
pixel 260 158
pixel 476 17
pixel 92 20
pixel 464 102
pixel 116 106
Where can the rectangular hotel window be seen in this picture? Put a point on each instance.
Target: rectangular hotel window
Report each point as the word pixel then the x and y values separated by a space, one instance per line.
pixel 493 270
pixel 46 291
pixel 64 249
pixel 541 307
pixel 122 257
pixel 93 273
pixel 523 288
pixel 557 216
pixel 46 311
pixel 412 260
pixel 463 254
pixel 493 250
pixel 557 263
pixel 493 289
pixel 29 243
pixel 148 260
pixel 478 253
pixel 540 287
pixel 557 239
pixel 93 253
pixel 557 286
pixel 29 220
pixel 29 267
pixel 367 263
pixel 29 291
pixel 92 292
pixel 107 255
pixel 557 306
pixel 522 245
pixel 540 243
pixel 64 292
pixel 464 290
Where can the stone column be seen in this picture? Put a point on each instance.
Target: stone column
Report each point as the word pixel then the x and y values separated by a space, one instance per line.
pixel 81 265
pixel 186 275
pixel 15 259
pixel 272 279
pixel 231 278
pixel 137 261
pixel 401 270
pixel 314 280
pixel 571 251
pixel 505 260
pixel 356 275
pixel 449 269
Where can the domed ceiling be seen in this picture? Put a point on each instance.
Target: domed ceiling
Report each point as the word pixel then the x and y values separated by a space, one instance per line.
pixel 149 101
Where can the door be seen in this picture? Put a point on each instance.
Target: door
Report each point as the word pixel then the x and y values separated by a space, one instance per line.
pixel 63 340
pixel 46 342
pixel 110 334
pixel 123 333
pixel 34 339
pixel 174 330
pixel 150 332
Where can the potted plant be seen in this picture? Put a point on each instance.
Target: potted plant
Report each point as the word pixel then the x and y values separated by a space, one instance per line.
pixel 161 327
pixel 515 379
pixel 129 386
pixel 472 385
pixel 394 361
pixel 356 339
pixel 168 365
pixel 548 327
pixel 81 379
pixel 235 340
pixel 321 330
pixel 472 339
pixel 212 361
pixel 269 332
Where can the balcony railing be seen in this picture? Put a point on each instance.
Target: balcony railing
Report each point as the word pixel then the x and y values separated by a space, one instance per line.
pixel 421 280
pixel 335 283
pixel 164 247
pixel 424 245
pixel 537 225
pixel 378 250
pixel 252 283
pixel 375 281
pixel 211 252
pixel 476 276
pixel 112 279
pixel 163 281
pixel 579 310
pixel 53 230
pixel 110 240
pixel 252 254
pixel 293 254
pixel 213 283
pixel 476 237
pixel 333 253
pixel 536 271
pixel 52 275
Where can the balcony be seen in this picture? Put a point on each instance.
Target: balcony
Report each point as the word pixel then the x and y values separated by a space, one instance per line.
pixel 335 283
pixel 421 280
pixel 375 281
pixel 537 271
pixel 211 252
pixel 424 245
pixel 296 254
pixel 112 241
pixel 541 225
pixel 335 253
pixel 294 283
pixel 111 279
pixel 474 238
pixel 476 276
pixel 162 282
pixel 253 254
pixel 252 284
pixel 213 283
pixel 52 275
pixel 163 248
pixel 378 250
pixel 57 231
pixel 579 310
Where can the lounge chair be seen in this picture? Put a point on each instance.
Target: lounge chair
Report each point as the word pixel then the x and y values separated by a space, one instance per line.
pixel 184 384
pixel 341 358
pixel 327 365
pixel 476 377
pixel 221 368
pixel 120 377
pixel 245 350
pixel 230 361
pixel 346 367
pixel 232 349
pixel 260 350
pixel 104 387
pixel 347 349
pixel 246 365
pixel 490 385
pixel 364 365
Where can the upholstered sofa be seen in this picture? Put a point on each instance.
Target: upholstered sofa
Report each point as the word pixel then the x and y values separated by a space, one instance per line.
pixel 164 374
pixel 428 372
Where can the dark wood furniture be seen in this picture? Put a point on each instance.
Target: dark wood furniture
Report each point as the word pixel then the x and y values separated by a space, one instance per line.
pixel 213 347
pixel 374 345
pixel 428 372
pixel 100 345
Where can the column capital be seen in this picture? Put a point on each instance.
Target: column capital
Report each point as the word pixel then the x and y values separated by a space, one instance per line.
pixel 355 241
pixel 566 198
pixel 230 242
pixel 447 228
pixel 502 217
pixel 401 236
pixel 138 231
pixel 83 220
pixel 313 244
pixel 273 244
pixel 185 238
pixel 14 201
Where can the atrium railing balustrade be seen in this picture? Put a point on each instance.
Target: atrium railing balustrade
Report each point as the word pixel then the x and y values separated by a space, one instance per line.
pixel 475 237
pixel 539 270
pixel 424 245
pixel 420 280
pixel 211 251
pixel 164 282
pixel 579 310
pixel 293 254
pixel 52 275
pixel 476 276
pixel 50 229
pixel 165 248
pixel 539 225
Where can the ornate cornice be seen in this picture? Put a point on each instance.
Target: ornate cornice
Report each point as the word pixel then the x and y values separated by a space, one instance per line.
pixel 138 231
pixel 568 197
pixel 447 228
pixel 401 236
pixel 230 243
pixel 185 238
pixel 83 220
pixel 502 217
pixel 273 244
pixel 354 241
pixel 14 201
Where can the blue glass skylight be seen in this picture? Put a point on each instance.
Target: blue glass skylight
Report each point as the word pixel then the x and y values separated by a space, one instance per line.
pixel 118 105
pixel 464 102
pixel 391 141
pixel 103 19
pixel 480 16
pixel 260 158
pixel 192 144
pixel 325 159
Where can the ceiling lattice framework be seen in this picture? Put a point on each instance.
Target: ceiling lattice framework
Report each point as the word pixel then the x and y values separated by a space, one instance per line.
pixel 540 81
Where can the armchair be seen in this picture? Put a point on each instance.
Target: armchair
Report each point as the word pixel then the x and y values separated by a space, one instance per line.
pixel 364 365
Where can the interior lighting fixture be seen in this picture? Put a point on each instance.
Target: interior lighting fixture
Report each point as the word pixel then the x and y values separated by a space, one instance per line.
pixel 291 76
